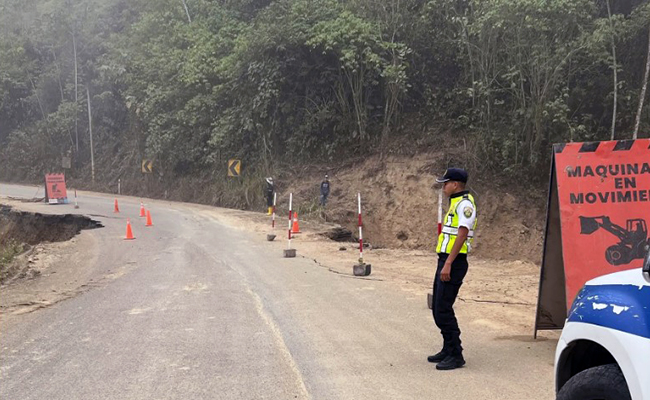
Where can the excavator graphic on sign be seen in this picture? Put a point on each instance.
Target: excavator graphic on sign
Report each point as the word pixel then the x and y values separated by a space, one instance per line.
pixel 633 238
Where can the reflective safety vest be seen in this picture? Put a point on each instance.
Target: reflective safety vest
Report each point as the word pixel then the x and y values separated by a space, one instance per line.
pixel 447 237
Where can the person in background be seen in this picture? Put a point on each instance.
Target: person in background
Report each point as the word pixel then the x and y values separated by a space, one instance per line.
pixel 324 190
pixel 269 191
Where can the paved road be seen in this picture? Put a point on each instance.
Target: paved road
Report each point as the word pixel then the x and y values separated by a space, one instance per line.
pixel 196 309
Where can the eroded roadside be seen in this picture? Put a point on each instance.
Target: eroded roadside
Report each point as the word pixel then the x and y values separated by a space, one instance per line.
pixel 48 257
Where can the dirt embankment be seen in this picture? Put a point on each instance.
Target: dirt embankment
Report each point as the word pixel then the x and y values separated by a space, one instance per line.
pixel 22 232
pixel 400 205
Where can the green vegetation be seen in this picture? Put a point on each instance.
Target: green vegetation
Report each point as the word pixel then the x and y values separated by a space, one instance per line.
pixel 274 81
pixel 9 251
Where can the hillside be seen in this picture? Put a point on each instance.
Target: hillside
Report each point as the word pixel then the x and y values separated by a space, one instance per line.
pixel 400 205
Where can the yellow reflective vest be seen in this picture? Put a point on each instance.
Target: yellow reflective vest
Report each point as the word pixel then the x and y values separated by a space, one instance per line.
pixel 460 204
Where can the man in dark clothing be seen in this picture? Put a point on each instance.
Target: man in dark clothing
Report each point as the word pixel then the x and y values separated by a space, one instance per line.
pixel 269 191
pixel 454 242
pixel 324 191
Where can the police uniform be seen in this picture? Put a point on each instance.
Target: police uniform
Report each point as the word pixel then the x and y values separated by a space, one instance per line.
pixel 462 213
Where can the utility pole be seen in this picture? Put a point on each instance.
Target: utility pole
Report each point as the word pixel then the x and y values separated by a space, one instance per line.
pixel 90 129
pixel 76 91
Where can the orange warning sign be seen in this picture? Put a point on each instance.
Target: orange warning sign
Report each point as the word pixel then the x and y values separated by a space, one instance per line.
pixel 56 192
pixel 604 197
pixel 597 220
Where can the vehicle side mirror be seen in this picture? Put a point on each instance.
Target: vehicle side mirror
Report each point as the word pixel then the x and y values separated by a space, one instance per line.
pixel 646 265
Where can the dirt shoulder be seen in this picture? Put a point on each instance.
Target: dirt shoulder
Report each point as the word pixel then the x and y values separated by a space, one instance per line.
pixel 400 204
pixel 497 294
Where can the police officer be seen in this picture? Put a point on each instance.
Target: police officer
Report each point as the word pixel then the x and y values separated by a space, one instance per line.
pixel 269 191
pixel 453 245
pixel 324 190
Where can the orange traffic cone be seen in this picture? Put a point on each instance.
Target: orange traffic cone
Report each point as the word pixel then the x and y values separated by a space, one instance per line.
pixel 149 223
pixel 116 208
pixel 142 210
pixel 129 232
pixel 295 228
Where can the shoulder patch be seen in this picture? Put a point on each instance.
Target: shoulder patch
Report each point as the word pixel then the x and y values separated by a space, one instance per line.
pixel 468 211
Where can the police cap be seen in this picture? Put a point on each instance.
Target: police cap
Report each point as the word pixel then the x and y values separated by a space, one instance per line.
pixel 453 174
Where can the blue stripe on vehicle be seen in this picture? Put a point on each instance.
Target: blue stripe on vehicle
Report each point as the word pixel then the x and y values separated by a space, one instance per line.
pixel 625 308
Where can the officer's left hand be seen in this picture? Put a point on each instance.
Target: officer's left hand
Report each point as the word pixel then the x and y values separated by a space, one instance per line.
pixel 445 274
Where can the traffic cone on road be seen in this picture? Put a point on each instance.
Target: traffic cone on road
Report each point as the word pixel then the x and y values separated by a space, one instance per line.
pixel 129 232
pixel 116 207
pixel 149 223
pixel 295 228
pixel 142 209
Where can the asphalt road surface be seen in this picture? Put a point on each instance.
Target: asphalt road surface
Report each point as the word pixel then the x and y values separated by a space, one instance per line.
pixel 198 309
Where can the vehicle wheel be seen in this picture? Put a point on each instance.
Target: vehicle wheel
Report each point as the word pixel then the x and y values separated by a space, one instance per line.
pixel 605 382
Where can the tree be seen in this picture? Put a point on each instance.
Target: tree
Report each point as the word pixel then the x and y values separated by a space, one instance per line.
pixel 644 88
pixel 614 68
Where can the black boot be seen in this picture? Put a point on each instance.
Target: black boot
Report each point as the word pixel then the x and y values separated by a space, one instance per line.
pixel 451 362
pixel 436 358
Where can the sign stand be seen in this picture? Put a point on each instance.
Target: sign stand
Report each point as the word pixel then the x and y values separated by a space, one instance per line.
pixel 597 220
pixel 55 191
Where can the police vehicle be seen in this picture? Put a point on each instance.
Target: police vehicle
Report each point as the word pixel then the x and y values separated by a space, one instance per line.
pixel 604 350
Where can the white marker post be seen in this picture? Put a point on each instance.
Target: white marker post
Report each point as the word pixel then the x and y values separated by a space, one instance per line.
pixel 440 212
pixel 119 186
pixel 290 212
pixel 275 198
pixel 76 205
pixel 360 230
pixel 289 252
pixel 360 269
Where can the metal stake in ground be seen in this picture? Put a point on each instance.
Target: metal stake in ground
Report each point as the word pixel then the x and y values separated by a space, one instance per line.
pixel 271 236
pixel 275 198
pixel 76 205
pixel 289 252
pixel 361 269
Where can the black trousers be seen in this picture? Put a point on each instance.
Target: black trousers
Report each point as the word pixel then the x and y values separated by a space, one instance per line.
pixel 444 296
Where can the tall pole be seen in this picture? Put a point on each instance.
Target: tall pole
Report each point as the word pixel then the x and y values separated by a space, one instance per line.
pixel 76 92
pixel 90 129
